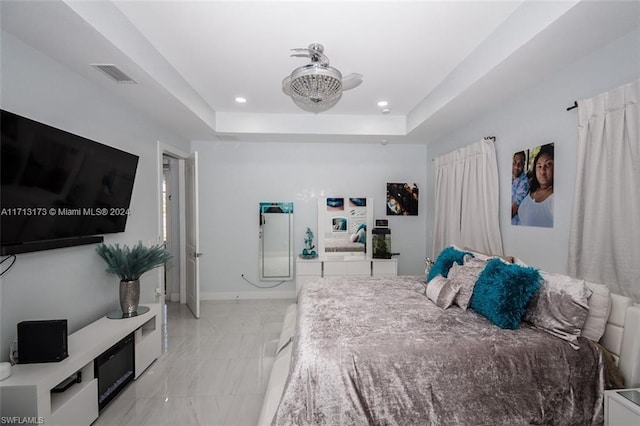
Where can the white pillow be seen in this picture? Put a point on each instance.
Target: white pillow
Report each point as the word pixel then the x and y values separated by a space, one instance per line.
pixel 441 291
pixel 599 309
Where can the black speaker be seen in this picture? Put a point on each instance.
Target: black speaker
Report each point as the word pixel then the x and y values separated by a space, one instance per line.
pixel 42 341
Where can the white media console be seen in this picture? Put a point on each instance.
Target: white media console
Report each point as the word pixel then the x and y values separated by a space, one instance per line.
pixel 27 394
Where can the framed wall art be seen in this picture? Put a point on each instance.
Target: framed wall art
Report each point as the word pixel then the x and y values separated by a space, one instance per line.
pixel 532 182
pixel 402 199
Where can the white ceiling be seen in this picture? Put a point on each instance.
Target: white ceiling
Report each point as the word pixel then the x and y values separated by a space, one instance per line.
pixel 437 63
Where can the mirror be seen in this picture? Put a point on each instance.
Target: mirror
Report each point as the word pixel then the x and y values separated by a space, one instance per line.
pixel 344 227
pixel 276 241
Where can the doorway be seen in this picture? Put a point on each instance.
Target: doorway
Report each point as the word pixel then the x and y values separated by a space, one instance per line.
pixel 178 207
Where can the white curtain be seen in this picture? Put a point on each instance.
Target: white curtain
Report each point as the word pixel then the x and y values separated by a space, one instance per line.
pixel 604 241
pixel 466 199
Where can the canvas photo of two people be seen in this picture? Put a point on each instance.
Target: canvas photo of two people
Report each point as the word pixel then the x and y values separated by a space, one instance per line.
pixel 532 186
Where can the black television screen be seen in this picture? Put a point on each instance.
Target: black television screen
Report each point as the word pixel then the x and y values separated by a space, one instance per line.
pixel 59 189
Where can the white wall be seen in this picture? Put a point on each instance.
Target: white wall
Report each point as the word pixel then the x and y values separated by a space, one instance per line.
pixel 236 177
pixel 70 283
pixel 534 117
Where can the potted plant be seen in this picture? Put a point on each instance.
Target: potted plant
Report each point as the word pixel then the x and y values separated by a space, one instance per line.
pixel 129 264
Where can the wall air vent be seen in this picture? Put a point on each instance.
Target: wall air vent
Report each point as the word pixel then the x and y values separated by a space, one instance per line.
pixel 115 73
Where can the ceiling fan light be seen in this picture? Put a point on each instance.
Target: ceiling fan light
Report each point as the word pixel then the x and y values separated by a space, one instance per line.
pixel 315 87
pixel 316 106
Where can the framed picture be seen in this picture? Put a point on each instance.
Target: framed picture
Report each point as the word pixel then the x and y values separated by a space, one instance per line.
pixel 532 186
pixel 339 224
pixel 402 199
pixel 335 204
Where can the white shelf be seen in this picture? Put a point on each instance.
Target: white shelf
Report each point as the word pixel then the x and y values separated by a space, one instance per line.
pixel 27 393
pixel 76 405
pixel 147 344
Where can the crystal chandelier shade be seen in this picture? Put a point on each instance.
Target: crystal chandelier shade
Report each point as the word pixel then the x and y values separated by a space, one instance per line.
pixel 315 87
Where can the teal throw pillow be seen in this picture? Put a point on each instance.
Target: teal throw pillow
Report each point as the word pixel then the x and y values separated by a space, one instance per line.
pixel 502 292
pixel 445 260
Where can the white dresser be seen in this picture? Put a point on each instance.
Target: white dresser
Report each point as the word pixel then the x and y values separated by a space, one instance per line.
pixel 308 269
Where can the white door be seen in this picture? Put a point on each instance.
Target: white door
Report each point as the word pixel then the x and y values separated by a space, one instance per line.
pixel 193 246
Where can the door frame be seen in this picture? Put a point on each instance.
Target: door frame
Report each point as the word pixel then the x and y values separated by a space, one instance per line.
pixel 171 151
pixel 192 252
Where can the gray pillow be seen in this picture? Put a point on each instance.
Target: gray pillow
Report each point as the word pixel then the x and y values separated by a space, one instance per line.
pixel 560 307
pixel 441 291
pixel 465 276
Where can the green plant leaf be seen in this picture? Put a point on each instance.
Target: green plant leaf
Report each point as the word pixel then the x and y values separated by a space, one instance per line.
pixel 130 263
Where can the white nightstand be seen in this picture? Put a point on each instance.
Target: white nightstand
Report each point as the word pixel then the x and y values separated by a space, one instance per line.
pixel 622 407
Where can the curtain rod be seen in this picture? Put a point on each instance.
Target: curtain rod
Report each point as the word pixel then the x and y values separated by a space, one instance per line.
pixel 574 106
pixel 493 138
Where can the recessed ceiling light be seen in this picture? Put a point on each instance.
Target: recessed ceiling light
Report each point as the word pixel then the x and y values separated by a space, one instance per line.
pixel 383 103
pixel 241 100
pixel 385 111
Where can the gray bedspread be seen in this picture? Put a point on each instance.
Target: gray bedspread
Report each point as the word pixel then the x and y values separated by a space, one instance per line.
pixel 376 351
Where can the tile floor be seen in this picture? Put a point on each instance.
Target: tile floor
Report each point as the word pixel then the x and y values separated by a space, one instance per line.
pixel 214 370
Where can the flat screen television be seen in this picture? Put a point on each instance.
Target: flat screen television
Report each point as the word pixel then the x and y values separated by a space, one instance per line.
pixel 59 189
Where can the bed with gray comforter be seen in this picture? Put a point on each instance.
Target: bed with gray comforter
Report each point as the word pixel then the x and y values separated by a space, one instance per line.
pixel 375 350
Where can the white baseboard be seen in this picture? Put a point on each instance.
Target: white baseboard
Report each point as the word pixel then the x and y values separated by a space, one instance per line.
pixel 247 295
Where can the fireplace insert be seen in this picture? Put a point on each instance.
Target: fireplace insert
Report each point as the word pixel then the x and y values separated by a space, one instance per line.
pixel 114 369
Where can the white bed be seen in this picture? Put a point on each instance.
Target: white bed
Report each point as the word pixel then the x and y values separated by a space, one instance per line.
pixel 621 339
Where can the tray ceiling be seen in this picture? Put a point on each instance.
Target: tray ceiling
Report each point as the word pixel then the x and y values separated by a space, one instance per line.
pixel 435 62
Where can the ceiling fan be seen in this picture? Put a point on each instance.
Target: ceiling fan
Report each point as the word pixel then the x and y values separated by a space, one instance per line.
pixel 316 87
